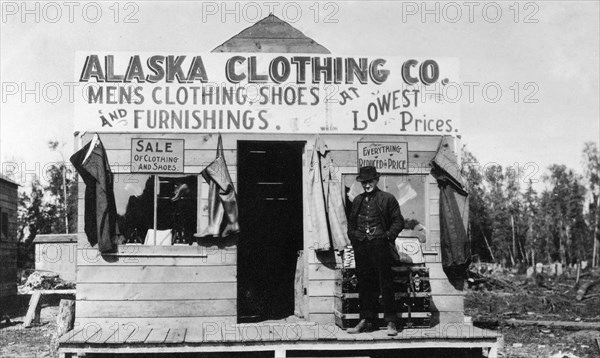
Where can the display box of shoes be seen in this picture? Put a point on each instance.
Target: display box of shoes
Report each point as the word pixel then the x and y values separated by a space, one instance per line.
pixel 412 298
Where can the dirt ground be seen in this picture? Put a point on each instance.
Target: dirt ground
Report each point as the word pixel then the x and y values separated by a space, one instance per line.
pixel 37 341
pixel 541 299
pixel 489 305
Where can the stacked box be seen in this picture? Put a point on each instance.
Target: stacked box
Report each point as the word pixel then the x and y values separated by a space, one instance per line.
pixel 412 297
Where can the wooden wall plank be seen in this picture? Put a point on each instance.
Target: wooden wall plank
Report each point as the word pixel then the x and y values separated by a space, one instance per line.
pixel 156 291
pixel 326 258
pixel 157 336
pixel 434 236
pixel 81 217
pixel 323 318
pixel 440 287
pixel 448 303
pixel 209 141
pixel 135 255
pixel 323 287
pixel 80 192
pixel 434 221
pixel 452 321
pixel 59 257
pixel 151 308
pixel 434 207
pixel 348 158
pixel 197 157
pixel 321 304
pixel 436 271
pixel 323 272
pixel 431 259
pixel 8 289
pixel 8 274
pixel 157 274
pixel 129 323
pixel 434 191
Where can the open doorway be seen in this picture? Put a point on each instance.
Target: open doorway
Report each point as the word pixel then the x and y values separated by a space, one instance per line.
pixel 270 204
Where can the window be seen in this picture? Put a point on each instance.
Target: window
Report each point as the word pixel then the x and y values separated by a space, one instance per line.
pixel 409 190
pixel 164 219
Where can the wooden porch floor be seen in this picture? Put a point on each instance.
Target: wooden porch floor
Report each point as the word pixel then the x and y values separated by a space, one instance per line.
pixel 275 336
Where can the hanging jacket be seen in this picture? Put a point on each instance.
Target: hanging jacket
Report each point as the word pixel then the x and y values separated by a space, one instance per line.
pixel 222 201
pixel 100 209
pixel 455 244
pixel 316 200
pixel 327 219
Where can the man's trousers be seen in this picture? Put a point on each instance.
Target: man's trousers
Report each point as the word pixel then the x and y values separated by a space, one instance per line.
pixel 374 272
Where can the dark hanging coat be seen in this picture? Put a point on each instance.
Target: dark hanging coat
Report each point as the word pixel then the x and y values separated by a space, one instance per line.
pixel 454 211
pixel 455 244
pixel 100 209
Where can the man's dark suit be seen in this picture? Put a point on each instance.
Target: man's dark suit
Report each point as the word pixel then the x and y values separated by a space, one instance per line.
pixel 372 250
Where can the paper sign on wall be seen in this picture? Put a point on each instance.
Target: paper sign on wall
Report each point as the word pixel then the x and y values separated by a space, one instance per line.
pixel 387 157
pixel 156 155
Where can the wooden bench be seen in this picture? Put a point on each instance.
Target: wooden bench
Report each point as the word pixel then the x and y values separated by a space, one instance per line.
pixel 33 312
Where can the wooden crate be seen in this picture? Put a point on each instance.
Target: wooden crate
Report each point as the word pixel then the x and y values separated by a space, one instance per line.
pixel 418 302
pixel 412 297
pixel 414 320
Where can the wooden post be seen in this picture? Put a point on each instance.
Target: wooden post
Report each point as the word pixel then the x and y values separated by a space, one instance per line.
pixel 33 312
pixel 65 318
pixel 512 224
pixel 595 258
pixel 487 244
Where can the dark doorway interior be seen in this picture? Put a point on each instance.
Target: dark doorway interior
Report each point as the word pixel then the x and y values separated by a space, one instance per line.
pixel 270 204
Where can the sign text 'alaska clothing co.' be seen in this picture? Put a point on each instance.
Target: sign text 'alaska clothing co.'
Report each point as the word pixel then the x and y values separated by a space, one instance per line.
pixel 266 93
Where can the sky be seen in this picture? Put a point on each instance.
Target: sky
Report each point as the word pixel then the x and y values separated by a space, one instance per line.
pixel 543 57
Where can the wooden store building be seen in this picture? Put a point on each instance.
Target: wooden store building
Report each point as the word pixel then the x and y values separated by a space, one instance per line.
pixel 231 174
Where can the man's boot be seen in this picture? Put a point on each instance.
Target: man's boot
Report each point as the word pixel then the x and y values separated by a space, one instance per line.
pixel 362 326
pixel 391 329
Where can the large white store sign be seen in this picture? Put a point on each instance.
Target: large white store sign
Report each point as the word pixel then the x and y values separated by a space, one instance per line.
pixel 266 93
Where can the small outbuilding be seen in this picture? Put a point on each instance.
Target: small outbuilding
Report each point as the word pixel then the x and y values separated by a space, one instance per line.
pixel 8 236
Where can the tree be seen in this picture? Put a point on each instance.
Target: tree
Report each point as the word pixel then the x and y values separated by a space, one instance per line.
pixel 591 170
pixel 563 210
pixel 53 145
pixel 59 175
pixel 530 214
pixel 500 217
pixel 478 230
pixel 41 209
pixel 34 211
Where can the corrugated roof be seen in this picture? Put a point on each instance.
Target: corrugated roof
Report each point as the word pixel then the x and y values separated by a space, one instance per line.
pixel 271 34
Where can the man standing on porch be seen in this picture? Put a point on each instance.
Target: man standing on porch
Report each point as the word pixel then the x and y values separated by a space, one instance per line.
pixel 375 222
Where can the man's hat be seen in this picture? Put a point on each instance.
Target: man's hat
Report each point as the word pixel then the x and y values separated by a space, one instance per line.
pixel 367 173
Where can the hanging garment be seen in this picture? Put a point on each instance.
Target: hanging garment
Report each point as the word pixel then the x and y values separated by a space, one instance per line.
pixel 316 199
pixel 100 209
pixel 222 201
pixel 454 210
pixel 336 213
pixel 327 218
pixel 455 244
